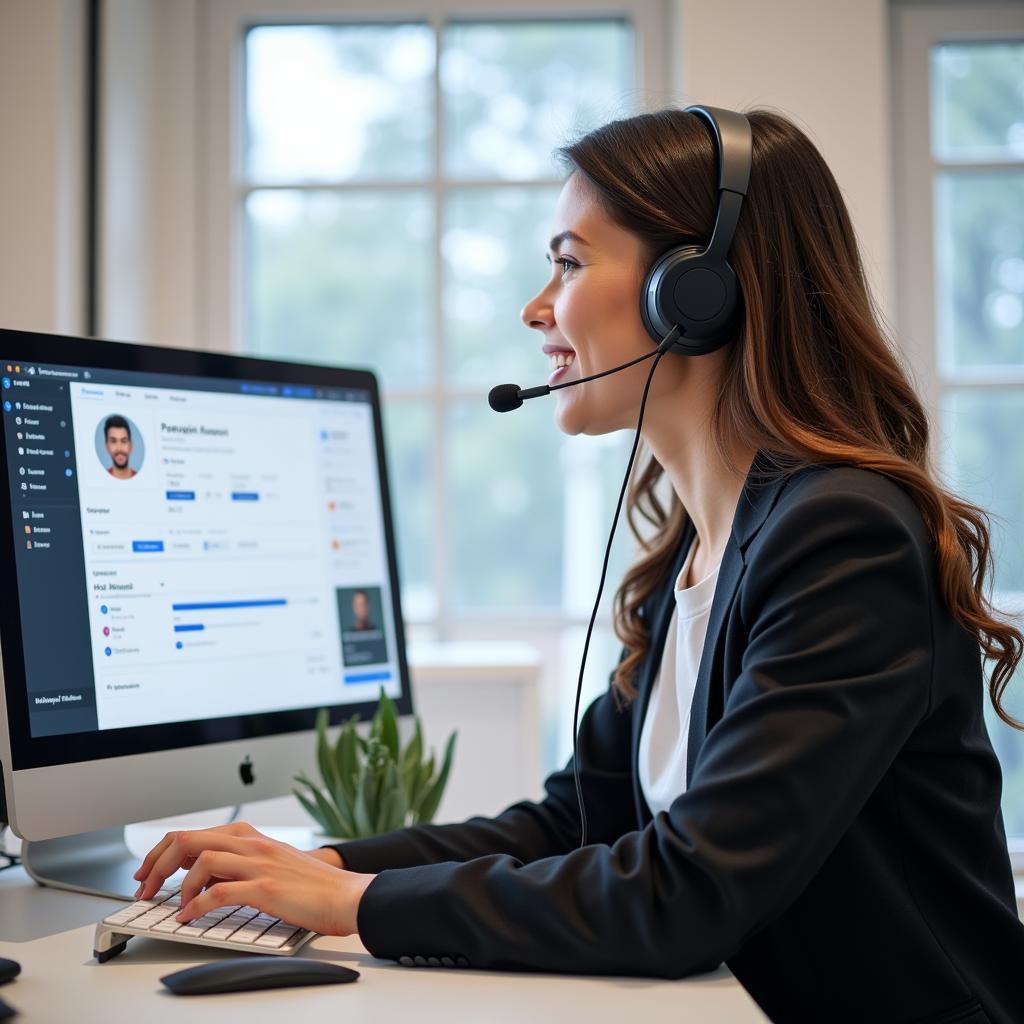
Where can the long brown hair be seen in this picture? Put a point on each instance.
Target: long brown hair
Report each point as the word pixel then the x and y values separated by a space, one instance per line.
pixel 812 376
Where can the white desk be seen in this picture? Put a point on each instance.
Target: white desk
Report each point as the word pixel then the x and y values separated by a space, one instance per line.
pixel 50 934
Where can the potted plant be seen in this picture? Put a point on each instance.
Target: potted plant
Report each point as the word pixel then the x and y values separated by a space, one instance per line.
pixel 370 785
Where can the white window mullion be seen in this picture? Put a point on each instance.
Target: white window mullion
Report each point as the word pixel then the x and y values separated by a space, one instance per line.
pixel 442 559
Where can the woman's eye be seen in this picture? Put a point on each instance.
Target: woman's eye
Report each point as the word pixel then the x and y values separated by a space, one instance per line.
pixel 566 264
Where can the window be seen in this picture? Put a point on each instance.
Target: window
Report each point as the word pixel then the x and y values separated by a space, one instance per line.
pixel 961 191
pixel 393 200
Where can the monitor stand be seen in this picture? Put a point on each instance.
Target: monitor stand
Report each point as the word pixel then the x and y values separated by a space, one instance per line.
pixel 97 863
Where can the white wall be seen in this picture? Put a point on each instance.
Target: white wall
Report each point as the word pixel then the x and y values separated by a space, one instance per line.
pixel 42 169
pixel 825 64
pixel 150 88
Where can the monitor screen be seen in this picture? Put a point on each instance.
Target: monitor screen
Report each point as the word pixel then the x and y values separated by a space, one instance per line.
pixel 200 545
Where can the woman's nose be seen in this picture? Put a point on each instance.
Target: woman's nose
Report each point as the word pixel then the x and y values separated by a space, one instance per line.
pixel 537 312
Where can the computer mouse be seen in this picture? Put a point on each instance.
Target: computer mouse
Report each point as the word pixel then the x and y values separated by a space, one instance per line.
pixel 9 970
pixel 245 973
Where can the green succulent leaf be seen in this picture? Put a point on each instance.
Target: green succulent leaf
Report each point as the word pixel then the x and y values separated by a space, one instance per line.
pixel 414 751
pixel 433 796
pixel 323 750
pixel 329 818
pixel 423 775
pixel 388 724
pixel 347 762
pixel 388 788
pixel 361 812
pixel 312 810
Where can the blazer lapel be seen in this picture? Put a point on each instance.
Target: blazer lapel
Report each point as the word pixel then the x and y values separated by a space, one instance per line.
pixel 755 502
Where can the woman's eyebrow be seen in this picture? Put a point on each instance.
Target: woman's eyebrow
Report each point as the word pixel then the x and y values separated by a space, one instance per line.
pixel 565 236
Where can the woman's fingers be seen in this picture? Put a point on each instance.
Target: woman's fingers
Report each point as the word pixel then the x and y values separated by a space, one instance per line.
pixel 214 864
pixel 221 894
pixel 184 847
pixel 236 828
pixel 151 857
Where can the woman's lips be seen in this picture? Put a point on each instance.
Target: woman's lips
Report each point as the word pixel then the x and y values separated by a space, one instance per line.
pixel 558 372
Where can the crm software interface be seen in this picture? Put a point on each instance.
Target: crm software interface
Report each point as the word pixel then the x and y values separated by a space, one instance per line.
pixel 194 548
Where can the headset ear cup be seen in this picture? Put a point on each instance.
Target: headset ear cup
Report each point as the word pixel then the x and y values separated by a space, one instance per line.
pixel 686 288
pixel 652 294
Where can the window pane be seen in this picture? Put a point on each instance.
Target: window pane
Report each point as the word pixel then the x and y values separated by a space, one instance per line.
pixel 977 108
pixel 512 91
pixel 493 261
pixel 339 102
pixel 505 508
pixel 986 466
pixel 343 277
pixel 530 511
pixel 591 473
pixel 1009 746
pixel 602 657
pixel 979 260
pixel 409 438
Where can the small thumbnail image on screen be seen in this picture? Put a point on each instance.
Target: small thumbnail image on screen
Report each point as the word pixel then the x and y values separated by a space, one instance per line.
pixel 361 617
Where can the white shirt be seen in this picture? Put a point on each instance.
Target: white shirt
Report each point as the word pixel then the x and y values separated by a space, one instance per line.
pixel 662 754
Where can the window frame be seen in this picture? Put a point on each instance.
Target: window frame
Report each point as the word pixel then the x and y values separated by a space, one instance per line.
pixel 220 279
pixel 916 27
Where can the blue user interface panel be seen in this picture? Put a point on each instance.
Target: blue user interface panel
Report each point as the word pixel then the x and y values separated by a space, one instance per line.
pixel 190 548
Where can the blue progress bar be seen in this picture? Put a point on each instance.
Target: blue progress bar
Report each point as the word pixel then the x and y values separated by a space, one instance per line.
pixel 191 627
pixel 365 677
pixel 202 606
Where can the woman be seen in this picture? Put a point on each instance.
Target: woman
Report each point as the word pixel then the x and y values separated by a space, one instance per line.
pixel 827 819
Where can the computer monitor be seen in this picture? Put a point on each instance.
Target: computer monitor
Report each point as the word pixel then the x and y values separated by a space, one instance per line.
pixel 198 554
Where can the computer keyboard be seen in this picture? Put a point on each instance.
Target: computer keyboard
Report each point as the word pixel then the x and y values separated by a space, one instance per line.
pixel 243 929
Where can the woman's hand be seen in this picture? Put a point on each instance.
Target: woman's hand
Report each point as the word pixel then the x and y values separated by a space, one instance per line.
pixel 329 855
pixel 237 865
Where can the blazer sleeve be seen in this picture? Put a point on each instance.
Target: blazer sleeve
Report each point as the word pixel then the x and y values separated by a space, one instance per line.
pixel 528 831
pixel 835 675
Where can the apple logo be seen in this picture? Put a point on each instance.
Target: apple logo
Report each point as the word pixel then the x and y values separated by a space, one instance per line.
pixel 246 772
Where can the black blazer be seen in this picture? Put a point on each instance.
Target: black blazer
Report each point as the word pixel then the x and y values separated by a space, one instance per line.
pixel 839 843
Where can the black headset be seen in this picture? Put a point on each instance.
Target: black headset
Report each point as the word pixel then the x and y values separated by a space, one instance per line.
pixel 694 288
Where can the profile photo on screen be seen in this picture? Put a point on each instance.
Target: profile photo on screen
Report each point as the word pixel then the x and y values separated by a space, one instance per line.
pixel 361 617
pixel 119 447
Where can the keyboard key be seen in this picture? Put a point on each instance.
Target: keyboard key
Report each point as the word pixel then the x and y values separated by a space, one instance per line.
pixel 274 939
pixel 167 926
pixel 154 917
pixel 248 933
pixel 126 915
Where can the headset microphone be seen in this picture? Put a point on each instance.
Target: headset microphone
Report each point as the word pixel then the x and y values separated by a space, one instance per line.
pixel 506 397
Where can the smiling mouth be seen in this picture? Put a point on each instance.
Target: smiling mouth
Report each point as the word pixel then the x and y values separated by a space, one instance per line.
pixel 560 359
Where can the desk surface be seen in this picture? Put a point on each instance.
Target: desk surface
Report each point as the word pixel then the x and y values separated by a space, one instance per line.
pixel 50 934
